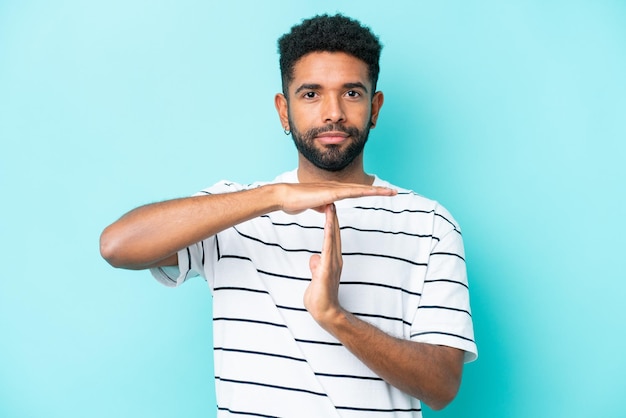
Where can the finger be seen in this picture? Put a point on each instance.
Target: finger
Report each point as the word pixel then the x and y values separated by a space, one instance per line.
pixel 320 209
pixel 318 261
pixel 359 191
pixel 336 230
pixel 331 248
pixel 314 262
pixel 352 191
pixel 329 231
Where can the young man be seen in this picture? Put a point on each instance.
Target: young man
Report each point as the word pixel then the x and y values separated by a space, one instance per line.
pixel 335 294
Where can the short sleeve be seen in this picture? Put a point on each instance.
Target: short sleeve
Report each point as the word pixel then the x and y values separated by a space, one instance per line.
pixel 199 258
pixel 191 263
pixel 444 316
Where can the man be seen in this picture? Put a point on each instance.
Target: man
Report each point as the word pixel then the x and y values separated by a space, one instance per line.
pixel 335 294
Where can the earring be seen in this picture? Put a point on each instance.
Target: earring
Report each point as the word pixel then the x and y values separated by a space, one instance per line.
pixel 286 131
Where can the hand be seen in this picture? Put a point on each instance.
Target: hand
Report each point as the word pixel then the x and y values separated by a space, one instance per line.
pixel 297 197
pixel 431 373
pixel 321 298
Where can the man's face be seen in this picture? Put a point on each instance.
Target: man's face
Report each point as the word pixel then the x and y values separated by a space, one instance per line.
pixel 330 109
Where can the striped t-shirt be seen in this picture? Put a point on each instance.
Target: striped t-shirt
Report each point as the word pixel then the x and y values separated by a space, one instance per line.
pixel 403 271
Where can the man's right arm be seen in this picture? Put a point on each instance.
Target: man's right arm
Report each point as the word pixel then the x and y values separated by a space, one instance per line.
pixel 152 235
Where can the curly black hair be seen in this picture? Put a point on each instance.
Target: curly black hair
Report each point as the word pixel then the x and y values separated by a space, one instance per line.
pixel 336 33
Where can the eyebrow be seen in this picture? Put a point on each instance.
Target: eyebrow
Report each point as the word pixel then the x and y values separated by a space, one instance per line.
pixel 312 86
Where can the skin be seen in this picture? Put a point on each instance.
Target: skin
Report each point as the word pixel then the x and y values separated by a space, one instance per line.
pixel 330 88
pixel 327 89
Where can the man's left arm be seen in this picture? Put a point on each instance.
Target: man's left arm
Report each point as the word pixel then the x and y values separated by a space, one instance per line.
pixel 431 373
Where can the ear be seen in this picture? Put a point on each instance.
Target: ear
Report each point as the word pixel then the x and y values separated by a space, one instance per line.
pixel 280 102
pixel 377 103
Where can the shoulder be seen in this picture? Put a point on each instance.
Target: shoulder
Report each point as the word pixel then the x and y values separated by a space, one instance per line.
pixel 409 201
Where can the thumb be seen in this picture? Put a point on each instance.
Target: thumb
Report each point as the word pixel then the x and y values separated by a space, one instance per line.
pixel 314 262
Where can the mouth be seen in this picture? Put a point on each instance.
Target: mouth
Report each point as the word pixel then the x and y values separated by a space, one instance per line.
pixel 332 137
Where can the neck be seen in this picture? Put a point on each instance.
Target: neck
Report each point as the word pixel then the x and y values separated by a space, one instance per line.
pixel 353 173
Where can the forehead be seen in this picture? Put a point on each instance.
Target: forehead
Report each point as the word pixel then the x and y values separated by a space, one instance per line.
pixel 330 68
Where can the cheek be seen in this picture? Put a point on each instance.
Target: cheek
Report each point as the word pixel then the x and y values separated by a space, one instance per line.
pixel 364 117
pixel 302 118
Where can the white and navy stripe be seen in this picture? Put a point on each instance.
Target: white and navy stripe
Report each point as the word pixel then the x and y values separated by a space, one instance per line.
pixel 404 272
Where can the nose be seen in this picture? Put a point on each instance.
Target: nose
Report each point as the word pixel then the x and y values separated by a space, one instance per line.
pixel 333 111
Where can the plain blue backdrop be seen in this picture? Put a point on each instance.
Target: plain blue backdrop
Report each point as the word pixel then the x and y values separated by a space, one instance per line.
pixel 512 114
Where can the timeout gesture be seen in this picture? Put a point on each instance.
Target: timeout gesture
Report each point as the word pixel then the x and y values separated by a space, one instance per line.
pixel 297 197
pixel 321 297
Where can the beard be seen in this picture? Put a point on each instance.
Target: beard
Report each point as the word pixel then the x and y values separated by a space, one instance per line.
pixel 330 157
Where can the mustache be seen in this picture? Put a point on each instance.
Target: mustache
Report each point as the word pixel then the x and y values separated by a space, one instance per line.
pixel 332 127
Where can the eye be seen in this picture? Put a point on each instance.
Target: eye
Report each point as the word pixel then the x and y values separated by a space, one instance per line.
pixel 309 95
pixel 353 93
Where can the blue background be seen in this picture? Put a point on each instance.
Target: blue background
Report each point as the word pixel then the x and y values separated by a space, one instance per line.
pixel 512 114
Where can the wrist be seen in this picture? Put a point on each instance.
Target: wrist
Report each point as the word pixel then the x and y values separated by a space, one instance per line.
pixel 271 195
pixel 334 320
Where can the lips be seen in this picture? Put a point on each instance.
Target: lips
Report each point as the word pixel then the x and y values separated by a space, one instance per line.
pixel 334 137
